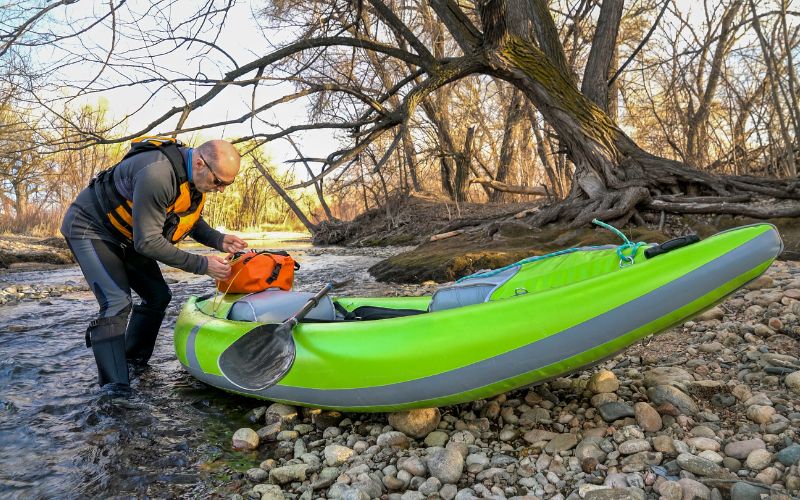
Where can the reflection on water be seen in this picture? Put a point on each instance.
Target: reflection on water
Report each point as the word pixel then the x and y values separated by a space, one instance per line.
pixel 61 436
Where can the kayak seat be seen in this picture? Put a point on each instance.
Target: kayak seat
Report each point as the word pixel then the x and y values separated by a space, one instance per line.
pixel 370 313
pixel 470 292
pixel 276 306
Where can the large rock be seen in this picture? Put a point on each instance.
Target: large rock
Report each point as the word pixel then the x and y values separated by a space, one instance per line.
pixel 602 382
pixel 416 423
pixel 245 439
pixel 660 394
pixel 445 464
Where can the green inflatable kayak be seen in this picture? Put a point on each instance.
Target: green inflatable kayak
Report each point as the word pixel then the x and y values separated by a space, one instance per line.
pixel 484 335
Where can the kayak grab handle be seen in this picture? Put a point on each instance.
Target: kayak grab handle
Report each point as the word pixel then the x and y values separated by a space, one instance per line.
pixel 671 245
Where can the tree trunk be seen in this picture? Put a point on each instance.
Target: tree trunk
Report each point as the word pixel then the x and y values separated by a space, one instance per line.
pixel 463 167
pixel 20 202
pixel 612 174
pixel 511 138
pixel 604 44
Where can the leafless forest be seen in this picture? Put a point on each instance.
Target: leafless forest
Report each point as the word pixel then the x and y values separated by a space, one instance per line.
pixel 610 109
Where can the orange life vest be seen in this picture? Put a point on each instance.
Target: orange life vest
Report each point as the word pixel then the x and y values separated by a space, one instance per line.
pixel 182 214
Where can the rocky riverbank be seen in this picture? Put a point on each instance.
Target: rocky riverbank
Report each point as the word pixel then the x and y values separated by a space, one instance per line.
pixel 707 410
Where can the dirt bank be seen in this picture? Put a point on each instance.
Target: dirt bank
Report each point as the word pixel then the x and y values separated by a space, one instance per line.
pixel 19 249
pixel 453 243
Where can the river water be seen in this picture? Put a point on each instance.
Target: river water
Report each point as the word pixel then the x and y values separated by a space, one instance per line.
pixel 62 436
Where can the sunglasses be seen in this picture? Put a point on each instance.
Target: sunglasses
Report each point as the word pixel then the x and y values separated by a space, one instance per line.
pixel 217 181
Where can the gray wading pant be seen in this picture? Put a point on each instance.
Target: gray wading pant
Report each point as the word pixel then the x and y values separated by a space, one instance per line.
pixel 112 271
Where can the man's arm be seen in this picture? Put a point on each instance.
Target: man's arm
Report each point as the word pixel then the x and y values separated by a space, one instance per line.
pixel 153 190
pixel 207 235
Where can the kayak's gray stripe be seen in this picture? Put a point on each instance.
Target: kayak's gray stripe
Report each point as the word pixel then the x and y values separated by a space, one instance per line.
pixel 555 348
pixel 191 353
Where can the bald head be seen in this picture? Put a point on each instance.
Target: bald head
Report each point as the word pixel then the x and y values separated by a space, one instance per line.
pixel 218 165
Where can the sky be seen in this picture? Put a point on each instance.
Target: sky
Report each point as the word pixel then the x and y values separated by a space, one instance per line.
pixel 241 38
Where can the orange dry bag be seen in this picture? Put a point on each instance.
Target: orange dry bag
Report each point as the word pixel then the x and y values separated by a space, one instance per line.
pixel 257 270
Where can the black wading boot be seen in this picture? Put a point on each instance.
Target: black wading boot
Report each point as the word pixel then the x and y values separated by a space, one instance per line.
pixel 106 337
pixel 140 339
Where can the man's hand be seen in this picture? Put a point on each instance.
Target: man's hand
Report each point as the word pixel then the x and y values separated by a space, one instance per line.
pixel 233 244
pixel 218 267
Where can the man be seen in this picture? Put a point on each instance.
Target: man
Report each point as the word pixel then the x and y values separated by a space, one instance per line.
pixel 128 218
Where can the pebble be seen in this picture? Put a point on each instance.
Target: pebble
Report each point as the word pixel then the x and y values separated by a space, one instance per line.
pixel 562 442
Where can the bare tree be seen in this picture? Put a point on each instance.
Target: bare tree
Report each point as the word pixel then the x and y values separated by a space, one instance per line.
pixel 376 72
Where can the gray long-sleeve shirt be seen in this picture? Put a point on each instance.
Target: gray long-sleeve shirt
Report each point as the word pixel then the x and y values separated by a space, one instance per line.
pixel 148 180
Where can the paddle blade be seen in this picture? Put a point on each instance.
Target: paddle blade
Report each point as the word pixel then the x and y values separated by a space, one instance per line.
pixel 260 358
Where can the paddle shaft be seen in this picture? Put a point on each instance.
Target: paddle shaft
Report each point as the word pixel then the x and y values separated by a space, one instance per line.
pixel 311 304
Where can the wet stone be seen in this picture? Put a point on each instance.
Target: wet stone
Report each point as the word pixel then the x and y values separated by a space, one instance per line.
pixel 615 411
pixel 245 439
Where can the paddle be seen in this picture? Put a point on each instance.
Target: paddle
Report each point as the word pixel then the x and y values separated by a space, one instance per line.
pixel 261 357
